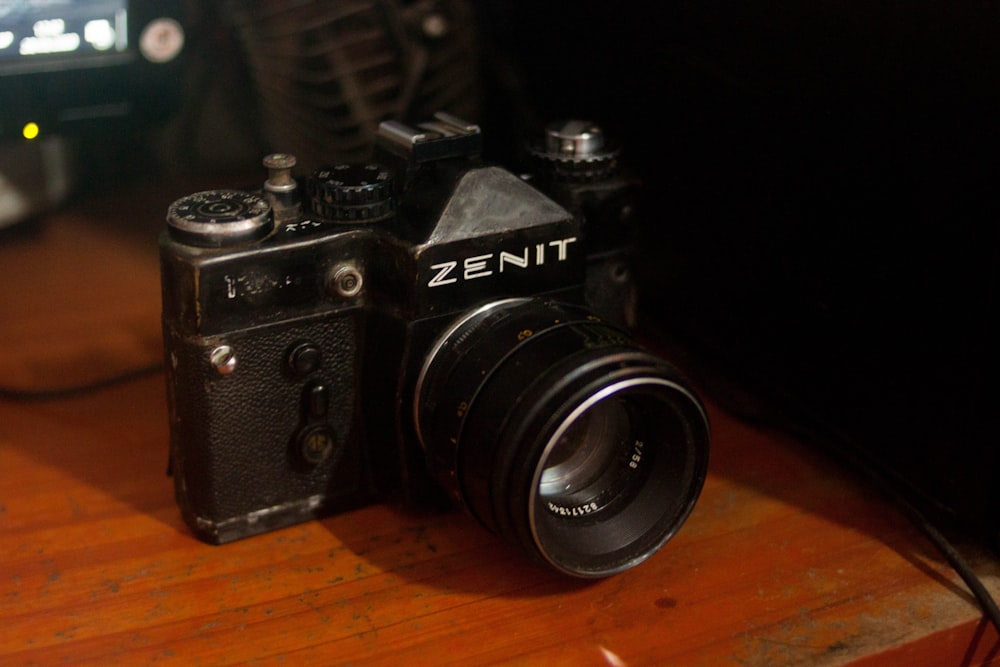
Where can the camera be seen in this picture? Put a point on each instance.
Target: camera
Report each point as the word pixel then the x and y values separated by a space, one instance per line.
pixel 430 328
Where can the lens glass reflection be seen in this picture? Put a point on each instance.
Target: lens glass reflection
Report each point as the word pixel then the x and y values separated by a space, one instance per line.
pixel 591 463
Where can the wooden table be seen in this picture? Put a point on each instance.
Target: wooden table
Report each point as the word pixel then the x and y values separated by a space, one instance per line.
pixel 787 559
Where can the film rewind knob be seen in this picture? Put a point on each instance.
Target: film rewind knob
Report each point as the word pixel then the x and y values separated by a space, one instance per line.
pixel 575 151
pixel 219 218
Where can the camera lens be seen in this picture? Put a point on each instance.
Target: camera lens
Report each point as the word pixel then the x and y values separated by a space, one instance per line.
pixel 562 435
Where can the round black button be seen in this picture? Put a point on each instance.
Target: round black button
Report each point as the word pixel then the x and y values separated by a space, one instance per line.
pixel 305 358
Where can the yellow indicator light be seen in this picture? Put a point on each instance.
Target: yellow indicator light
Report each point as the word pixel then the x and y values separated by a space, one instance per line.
pixel 30 131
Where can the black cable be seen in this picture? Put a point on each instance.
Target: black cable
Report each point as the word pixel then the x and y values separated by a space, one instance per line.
pixel 956 560
pixel 42 394
pixel 844 447
pixel 848 450
pixel 890 486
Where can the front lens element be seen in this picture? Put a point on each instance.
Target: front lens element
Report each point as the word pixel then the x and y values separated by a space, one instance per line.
pixel 647 488
pixel 588 464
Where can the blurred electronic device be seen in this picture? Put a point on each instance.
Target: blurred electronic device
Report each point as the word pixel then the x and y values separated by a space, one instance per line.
pixel 73 67
pixel 325 74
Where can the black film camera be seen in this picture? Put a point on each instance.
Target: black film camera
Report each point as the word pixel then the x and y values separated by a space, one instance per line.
pixel 427 323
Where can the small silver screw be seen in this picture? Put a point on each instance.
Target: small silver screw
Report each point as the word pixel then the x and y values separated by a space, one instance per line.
pixel 620 273
pixel 347 281
pixel 223 360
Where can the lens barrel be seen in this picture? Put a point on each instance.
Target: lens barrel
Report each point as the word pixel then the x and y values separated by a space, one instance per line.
pixel 561 435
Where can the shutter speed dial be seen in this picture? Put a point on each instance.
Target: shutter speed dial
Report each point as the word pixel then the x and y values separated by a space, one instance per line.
pixel 219 218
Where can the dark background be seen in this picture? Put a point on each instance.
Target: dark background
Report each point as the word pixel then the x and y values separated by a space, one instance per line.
pixel 821 216
pixel 820 211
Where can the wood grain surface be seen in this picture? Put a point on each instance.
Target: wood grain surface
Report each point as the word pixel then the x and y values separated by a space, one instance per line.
pixel 787 559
